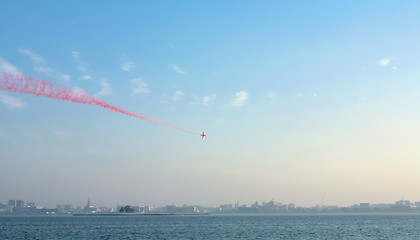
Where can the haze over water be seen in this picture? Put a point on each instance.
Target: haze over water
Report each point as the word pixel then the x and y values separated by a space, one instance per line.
pixel 302 102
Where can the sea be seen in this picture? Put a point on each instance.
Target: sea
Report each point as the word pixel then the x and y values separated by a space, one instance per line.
pixel 290 226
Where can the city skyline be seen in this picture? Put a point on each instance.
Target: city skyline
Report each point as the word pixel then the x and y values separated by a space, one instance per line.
pixel 300 101
pixel 18 207
pixel 22 203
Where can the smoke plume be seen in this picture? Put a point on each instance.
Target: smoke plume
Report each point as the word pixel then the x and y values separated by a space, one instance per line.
pixel 20 84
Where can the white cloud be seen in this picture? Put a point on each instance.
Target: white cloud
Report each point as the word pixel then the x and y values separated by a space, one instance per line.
pixel 207 100
pixel 11 102
pixel 44 70
pixel 315 95
pixel 299 95
pixel 81 65
pixel 177 95
pixel 78 91
pixel 75 55
pixel 85 77
pixel 65 77
pixel 394 68
pixel 106 89
pixel 32 55
pixel 271 94
pixel 384 62
pixel 139 86
pixel 128 66
pixel 8 67
pixel 177 69
pixel 239 99
pixel 42 67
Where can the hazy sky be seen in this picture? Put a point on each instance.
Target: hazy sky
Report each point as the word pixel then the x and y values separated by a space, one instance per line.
pixel 301 101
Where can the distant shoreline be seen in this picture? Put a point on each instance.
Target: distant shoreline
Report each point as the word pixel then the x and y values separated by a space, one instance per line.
pixel 138 214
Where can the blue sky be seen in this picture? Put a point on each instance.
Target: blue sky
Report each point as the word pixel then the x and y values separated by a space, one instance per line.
pixel 301 101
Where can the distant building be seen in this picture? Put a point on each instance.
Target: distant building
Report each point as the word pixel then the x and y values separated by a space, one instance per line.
pixel 402 203
pixel 283 208
pixel 67 207
pixel 147 209
pixel 12 203
pixel 245 209
pixel 270 203
pixel 30 205
pixel 364 205
pixel 59 208
pixel 20 204
pixel 89 208
pixel 226 208
pixel 3 208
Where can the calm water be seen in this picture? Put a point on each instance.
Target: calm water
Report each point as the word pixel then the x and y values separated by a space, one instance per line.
pixel 390 226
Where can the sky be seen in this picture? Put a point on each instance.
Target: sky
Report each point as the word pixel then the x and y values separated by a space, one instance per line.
pixel 301 101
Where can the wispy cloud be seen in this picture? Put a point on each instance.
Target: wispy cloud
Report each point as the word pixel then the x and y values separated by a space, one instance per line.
pixel 139 86
pixel 81 65
pixel 8 67
pixel 271 94
pixel 177 69
pixel 128 66
pixel 11 102
pixel 44 70
pixel 239 98
pixel 394 68
pixel 85 77
pixel 384 62
pixel 32 55
pixel 208 100
pixel 106 89
pixel 177 95
pixel 42 67
pixel 299 95
pixel 65 77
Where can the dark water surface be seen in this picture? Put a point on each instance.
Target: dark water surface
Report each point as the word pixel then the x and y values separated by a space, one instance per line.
pixel 314 226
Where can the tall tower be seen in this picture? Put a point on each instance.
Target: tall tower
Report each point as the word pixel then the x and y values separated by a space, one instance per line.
pixel 87 207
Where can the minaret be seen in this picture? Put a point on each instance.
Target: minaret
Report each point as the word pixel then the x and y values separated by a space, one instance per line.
pixel 87 207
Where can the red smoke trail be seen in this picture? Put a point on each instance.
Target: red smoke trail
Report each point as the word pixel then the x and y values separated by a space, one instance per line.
pixel 21 84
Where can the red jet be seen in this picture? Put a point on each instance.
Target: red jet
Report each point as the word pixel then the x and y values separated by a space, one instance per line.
pixel 203 135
